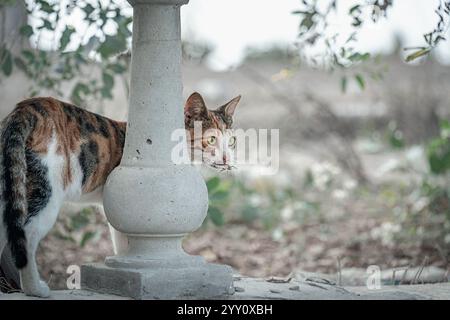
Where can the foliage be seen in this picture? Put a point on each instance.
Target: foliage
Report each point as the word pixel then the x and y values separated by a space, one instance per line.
pixel 78 228
pixel 425 216
pixel 71 55
pixel 438 150
pixel 433 38
pixel 422 215
pixel 321 46
pixel 395 136
pixel 219 195
pixel 265 202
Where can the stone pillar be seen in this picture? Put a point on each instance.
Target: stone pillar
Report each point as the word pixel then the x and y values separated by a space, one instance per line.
pixel 148 198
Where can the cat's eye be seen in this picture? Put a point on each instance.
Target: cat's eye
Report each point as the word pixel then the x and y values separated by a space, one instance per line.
pixel 211 140
pixel 232 142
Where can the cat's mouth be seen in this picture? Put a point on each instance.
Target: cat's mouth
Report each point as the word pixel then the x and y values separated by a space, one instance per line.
pixel 222 167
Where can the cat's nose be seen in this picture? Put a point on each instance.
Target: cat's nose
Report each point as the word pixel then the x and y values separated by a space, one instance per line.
pixel 225 159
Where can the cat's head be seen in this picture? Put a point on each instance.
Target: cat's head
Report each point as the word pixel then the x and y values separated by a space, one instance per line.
pixel 217 142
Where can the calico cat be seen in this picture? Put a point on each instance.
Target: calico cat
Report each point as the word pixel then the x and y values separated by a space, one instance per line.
pixel 53 151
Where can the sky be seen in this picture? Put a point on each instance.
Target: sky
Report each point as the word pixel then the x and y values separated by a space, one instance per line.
pixel 231 26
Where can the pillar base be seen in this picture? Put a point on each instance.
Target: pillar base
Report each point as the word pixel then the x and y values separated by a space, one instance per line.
pixel 191 278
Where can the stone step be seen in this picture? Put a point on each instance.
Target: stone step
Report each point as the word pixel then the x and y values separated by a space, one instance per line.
pixel 284 289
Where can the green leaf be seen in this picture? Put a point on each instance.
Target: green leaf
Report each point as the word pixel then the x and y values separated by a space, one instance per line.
pixel 78 90
pixel 108 84
pixel 26 30
pixel 65 37
pixel 92 44
pixel 418 54
pixel 438 152
pixel 357 22
pixel 219 196
pixel 7 62
pixel 445 129
pixel 106 93
pixel 21 64
pixel 46 7
pixel 356 57
pixel 117 68
pixel 307 22
pixel 396 139
pixel 87 236
pixel 299 12
pixel 122 23
pixel 29 55
pixel 360 80
pixel 352 37
pixel 438 165
pixel 79 221
pixel 61 236
pixel 108 80
pixel 111 46
pixel 88 9
pixel 212 183
pixel 355 8
pixel 216 216
pixel 47 25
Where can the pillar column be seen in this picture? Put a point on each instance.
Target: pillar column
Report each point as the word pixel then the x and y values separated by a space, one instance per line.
pixel 148 198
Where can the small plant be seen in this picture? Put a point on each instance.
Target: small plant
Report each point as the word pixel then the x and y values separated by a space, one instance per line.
pixel 78 228
pixel 257 200
pixel 438 150
pixel 219 194
pixel 425 216
pixel 395 136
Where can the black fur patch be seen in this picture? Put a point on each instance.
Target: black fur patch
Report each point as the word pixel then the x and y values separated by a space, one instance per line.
pixel 88 159
pixel 86 126
pixel 102 126
pixel 70 111
pixel 39 189
pixel 37 106
pixel 120 133
pixel 77 114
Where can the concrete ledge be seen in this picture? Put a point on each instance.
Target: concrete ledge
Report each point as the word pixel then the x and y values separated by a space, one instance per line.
pixel 253 288
pixel 184 282
pixel 279 289
pixel 436 291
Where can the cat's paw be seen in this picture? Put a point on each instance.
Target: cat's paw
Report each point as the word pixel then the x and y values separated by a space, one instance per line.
pixel 41 290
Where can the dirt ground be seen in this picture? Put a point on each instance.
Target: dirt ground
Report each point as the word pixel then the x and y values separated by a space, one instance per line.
pixel 254 251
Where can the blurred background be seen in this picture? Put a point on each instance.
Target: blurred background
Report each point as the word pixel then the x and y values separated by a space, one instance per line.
pixel 358 90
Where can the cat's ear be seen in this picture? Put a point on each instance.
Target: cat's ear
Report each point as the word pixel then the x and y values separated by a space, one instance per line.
pixel 195 106
pixel 229 107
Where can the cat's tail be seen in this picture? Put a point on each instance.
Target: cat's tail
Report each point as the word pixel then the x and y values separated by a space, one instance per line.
pixel 14 133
